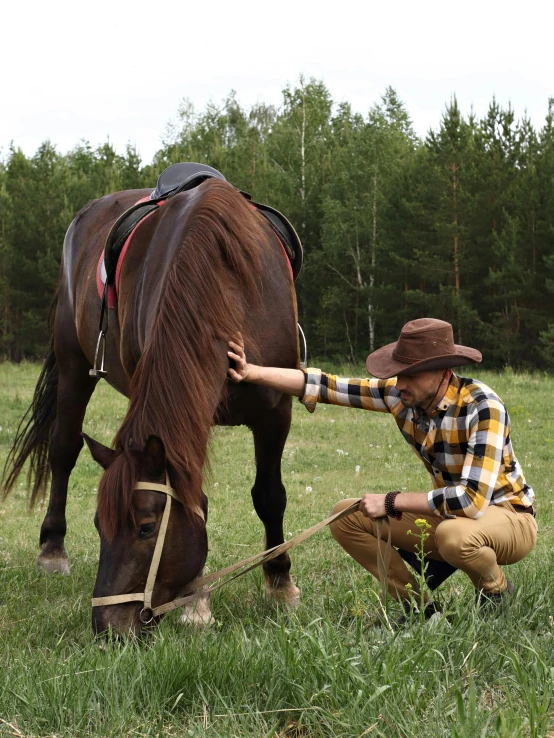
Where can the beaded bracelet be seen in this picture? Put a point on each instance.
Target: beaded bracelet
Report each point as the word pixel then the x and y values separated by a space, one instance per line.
pixel 390 509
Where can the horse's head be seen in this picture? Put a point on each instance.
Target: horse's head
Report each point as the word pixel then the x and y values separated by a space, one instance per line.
pixel 130 521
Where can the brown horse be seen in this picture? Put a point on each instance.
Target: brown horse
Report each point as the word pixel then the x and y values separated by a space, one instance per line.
pixel 199 269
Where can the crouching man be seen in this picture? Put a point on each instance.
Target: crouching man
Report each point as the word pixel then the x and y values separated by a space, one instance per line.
pixel 480 510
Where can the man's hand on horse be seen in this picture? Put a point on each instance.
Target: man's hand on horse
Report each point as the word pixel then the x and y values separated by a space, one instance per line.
pixel 241 370
pixel 283 379
pixel 373 506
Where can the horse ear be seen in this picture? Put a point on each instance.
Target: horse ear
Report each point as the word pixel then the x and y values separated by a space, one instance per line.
pixel 100 453
pixel 154 457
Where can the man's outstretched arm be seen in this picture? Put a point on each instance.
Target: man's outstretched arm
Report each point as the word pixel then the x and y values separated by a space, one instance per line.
pixel 313 386
pixel 289 381
pixel 292 382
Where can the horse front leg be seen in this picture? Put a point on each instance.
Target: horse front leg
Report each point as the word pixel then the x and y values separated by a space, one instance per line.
pixel 75 389
pixel 270 497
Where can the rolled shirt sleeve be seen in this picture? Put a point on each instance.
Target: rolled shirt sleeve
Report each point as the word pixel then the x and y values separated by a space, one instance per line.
pixel 312 384
pixel 368 394
pixel 482 464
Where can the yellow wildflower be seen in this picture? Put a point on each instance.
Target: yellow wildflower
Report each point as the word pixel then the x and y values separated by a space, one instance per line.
pixel 422 523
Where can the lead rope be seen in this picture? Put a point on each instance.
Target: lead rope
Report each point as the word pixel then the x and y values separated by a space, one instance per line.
pixel 383 562
pixel 250 563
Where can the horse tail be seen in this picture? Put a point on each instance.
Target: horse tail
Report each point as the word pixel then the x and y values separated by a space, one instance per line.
pixel 32 439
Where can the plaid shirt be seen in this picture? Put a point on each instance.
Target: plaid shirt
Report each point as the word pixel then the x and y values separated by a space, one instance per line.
pixel 465 444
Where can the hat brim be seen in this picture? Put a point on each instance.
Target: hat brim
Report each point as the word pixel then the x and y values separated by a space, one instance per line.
pixel 383 365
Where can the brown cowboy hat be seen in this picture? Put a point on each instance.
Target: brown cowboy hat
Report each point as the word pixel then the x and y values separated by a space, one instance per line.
pixel 424 345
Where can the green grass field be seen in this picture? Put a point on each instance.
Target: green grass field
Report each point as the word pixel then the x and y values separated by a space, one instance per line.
pixel 325 670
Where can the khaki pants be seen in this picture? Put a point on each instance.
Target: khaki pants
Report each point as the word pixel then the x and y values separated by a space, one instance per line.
pixel 477 547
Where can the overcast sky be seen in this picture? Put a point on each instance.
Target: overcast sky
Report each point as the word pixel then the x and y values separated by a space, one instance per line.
pixel 93 70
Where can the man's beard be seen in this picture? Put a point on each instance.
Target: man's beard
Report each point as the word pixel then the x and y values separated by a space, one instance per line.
pixel 410 401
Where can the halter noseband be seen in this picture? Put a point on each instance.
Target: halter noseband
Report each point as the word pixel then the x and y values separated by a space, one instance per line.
pixel 148 613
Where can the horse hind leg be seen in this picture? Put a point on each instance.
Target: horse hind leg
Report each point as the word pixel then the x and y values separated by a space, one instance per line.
pixel 75 389
pixel 270 498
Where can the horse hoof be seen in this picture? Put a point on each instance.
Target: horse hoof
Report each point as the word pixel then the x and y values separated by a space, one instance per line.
pixel 198 615
pixel 289 595
pixel 50 565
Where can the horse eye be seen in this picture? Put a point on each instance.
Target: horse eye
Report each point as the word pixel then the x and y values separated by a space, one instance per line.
pixel 146 530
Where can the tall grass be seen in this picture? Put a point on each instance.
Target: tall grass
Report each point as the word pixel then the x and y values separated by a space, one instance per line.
pixel 325 670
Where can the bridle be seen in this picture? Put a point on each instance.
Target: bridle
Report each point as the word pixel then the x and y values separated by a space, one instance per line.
pixel 148 613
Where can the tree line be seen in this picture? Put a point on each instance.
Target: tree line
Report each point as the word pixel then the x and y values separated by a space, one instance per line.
pixel 457 225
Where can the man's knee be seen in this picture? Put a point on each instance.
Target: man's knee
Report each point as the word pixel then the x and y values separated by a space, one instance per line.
pixel 340 527
pixel 451 537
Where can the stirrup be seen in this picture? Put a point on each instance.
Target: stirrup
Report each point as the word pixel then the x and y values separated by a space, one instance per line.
pixel 304 362
pixel 94 372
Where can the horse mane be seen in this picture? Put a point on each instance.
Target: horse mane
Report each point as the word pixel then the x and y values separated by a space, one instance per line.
pixel 209 290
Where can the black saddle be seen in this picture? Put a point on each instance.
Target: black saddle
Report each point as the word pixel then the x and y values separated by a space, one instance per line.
pixel 179 178
pixel 286 234
pixel 184 176
pixel 176 178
